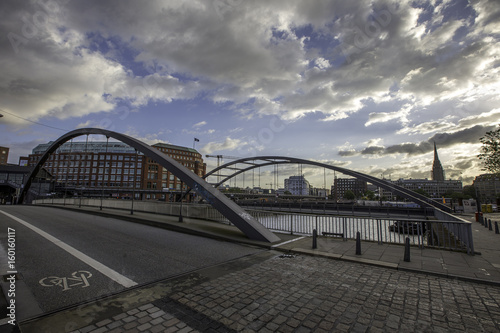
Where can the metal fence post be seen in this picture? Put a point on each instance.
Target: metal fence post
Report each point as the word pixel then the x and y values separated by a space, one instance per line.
pixel 358 243
pixel 407 250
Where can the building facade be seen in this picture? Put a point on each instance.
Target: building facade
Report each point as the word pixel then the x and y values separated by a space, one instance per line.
pixel 4 155
pixel 487 188
pixel 297 185
pixel 342 185
pixel 117 167
pixel 433 188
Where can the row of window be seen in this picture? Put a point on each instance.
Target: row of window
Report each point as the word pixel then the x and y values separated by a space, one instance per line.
pixel 61 171
pixel 107 184
pixel 94 164
pixel 100 177
pixel 89 156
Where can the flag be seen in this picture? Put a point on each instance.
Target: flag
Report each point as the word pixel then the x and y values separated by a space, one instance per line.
pixel 196 140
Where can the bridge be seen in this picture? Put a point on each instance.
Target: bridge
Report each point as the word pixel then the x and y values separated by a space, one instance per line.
pixel 241 219
pixel 230 170
pixel 233 212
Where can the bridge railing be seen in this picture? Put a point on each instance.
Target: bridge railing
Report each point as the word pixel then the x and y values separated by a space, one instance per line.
pixel 445 234
pixel 450 234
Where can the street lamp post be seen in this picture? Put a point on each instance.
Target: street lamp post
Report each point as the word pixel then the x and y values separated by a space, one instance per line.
pixel 180 211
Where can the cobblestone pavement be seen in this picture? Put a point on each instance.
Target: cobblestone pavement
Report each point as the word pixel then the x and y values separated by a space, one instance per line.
pixel 313 294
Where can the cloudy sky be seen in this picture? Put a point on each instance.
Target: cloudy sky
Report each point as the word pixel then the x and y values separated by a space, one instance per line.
pixel 367 85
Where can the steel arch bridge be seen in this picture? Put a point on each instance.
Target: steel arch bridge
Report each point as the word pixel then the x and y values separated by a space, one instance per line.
pixel 234 213
pixel 262 161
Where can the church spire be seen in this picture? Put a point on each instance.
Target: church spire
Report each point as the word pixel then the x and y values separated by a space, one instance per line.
pixel 437 168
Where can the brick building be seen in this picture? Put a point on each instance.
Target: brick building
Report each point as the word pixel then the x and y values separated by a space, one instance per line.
pixel 116 168
pixel 4 155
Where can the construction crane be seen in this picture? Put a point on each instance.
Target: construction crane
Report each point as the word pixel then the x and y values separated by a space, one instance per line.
pixel 219 160
pixel 221 157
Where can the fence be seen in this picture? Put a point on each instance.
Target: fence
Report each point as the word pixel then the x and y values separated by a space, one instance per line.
pixel 450 233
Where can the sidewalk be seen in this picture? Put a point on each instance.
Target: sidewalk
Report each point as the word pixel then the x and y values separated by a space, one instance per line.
pixel 150 308
pixel 484 267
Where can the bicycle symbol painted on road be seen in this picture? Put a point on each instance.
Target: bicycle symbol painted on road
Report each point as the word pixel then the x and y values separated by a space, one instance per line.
pixel 79 278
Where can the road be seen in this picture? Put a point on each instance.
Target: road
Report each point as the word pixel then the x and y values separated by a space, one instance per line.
pixel 65 258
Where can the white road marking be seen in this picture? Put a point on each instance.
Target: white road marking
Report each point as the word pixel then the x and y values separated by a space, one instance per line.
pixel 292 240
pixel 112 274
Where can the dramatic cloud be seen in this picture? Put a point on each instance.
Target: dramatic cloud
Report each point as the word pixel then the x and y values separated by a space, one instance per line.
pixel 469 135
pixel 336 71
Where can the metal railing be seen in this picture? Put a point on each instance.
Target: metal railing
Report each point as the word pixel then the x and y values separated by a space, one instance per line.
pixel 448 234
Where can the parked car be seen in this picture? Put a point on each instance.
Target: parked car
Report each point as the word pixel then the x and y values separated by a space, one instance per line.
pixel 408 227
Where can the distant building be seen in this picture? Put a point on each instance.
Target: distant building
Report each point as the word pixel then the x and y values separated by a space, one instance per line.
pixel 435 189
pixel 342 185
pixel 24 161
pixel 487 188
pixel 320 192
pixel 437 169
pixel 4 155
pixel 297 185
pixel 117 167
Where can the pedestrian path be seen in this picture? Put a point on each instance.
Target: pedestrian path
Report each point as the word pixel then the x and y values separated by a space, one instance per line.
pixel 482 267
pixel 300 290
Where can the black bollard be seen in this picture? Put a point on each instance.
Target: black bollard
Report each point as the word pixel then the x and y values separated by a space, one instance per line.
pixel 358 243
pixel 315 236
pixel 496 228
pixel 407 250
pixel 489 224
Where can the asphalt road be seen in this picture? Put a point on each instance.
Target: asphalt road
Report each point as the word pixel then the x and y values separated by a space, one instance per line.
pixel 55 273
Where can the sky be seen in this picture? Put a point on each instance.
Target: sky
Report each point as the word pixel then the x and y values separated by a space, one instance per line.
pixel 364 85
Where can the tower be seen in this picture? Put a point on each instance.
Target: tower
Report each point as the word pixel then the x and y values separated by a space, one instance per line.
pixel 437 168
